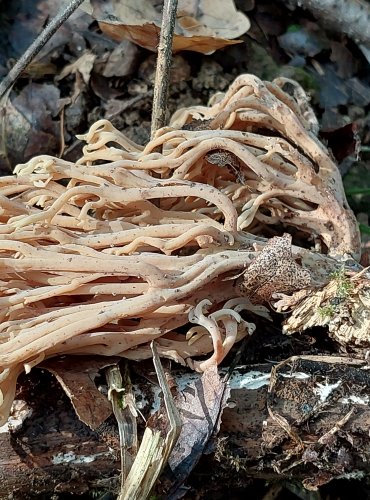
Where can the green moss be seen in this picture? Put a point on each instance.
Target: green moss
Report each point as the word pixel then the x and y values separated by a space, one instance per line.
pixel 307 80
pixel 327 311
pixel 344 284
pixel 344 287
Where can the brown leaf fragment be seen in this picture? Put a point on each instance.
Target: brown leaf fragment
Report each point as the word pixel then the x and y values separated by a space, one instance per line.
pixel 82 65
pixel 225 159
pixel 200 405
pixel 122 61
pixel 82 69
pixel 274 270
pixel 76 375
pixel 202 26
pixel 32 123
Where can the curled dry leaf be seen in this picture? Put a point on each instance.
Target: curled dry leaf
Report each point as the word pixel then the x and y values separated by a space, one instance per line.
pixel 201 26
pixel 200 405
pixel 83 65
pixel 76 376
pixel 82 69
pixel 273 271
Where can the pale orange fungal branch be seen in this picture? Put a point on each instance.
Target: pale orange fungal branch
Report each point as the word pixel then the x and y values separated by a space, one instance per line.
pixel 129 245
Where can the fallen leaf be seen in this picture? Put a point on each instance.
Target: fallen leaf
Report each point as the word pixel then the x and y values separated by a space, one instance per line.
pixel 201 26
pixel 343 141
pixel 273 271
pixel 346 63
pixel 103 88
pixel 22 22
pixel 82 69
pixel 122 61
pixel 200 405
pixel 13 138
pixel 82 65
pixel 32 123
pixel 335 91
pixel 303 41
pixel 76 375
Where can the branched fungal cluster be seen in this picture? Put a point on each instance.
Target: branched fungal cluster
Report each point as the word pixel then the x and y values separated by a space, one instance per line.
pixel 130 244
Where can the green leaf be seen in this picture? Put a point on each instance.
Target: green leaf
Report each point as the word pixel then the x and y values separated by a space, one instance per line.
pixel 358 190
pixel 293 28
pixel 364 229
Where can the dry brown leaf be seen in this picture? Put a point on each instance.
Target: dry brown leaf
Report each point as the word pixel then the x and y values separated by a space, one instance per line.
pixel 82 65
pixel 273 271
pixel 200 405
pixel 201 26
pixel 122 61
pixel 76 376
pixel 82 69
pixel 31 121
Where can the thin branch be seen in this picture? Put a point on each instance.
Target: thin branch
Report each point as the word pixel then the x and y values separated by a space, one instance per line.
pixel 37 45
pixel 162 76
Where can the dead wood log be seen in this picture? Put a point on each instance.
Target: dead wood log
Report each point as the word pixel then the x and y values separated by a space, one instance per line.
pixel 306 419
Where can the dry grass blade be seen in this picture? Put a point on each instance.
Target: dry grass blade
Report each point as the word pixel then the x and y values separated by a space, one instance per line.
pixel 123 403
pixel 155 447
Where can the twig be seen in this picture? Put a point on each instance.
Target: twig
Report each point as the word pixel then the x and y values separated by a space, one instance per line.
pixel 162 75
pixel 325 438
pixel 37 45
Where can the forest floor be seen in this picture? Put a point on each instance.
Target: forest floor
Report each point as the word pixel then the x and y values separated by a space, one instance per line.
pixel 82 75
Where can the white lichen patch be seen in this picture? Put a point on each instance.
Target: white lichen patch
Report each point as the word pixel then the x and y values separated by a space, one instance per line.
pixel 251 380
pixel 4 428
pixel 358 400
pixel 297 375
pixel 19 412
pixel 72 458
pixel 324 390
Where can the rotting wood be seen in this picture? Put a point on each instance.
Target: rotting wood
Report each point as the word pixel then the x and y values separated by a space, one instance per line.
pixel 323 401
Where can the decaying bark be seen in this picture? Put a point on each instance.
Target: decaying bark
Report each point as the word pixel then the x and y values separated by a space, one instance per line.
pixel 308 419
